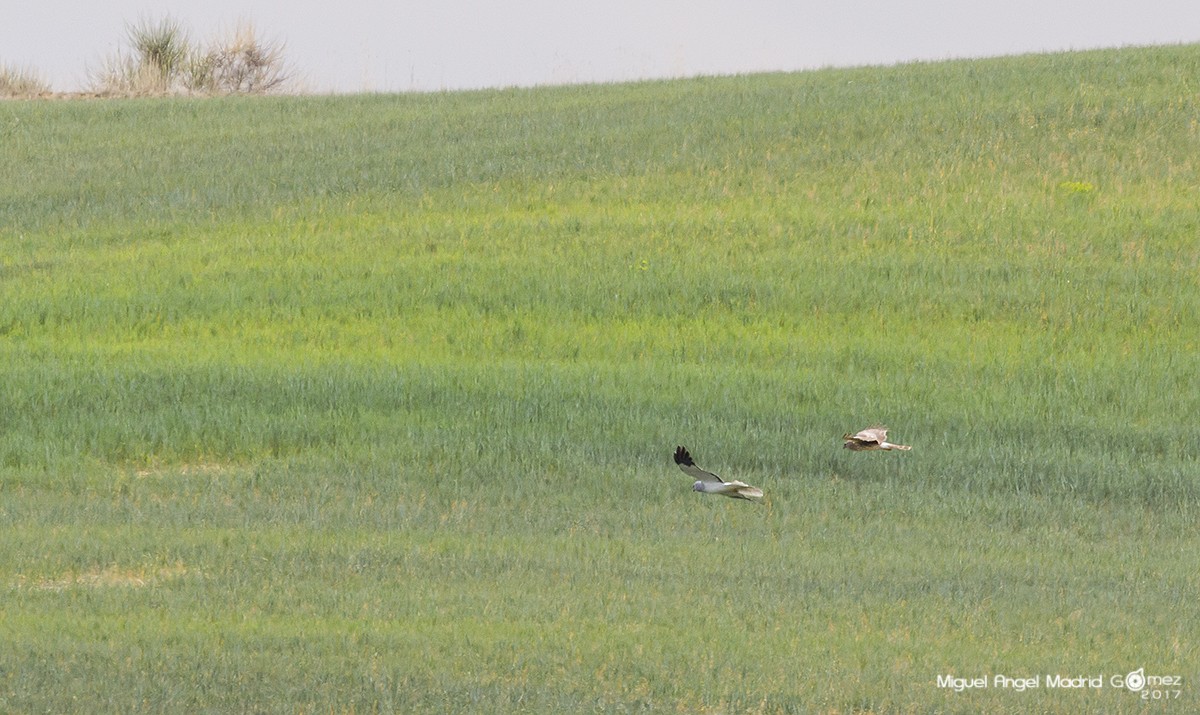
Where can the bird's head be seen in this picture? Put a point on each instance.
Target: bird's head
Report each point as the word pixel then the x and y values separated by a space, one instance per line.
pixel 698 486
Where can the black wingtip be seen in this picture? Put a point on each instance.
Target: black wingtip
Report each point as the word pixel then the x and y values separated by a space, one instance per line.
pixel 682 457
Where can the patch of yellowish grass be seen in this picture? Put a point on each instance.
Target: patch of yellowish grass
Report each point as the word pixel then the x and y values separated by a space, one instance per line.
pixel 184 470
pixel 108 577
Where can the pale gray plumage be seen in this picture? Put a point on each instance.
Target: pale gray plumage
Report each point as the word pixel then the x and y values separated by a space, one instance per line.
pixel 709 483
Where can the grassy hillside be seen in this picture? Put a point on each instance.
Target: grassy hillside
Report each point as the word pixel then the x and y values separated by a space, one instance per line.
pixel 367 403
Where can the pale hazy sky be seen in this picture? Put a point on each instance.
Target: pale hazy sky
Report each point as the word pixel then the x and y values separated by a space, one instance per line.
pixel 402 45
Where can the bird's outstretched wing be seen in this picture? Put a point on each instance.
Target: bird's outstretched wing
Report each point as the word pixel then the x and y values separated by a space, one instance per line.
pixel 873 434
pixel 741 490
pixel 685 462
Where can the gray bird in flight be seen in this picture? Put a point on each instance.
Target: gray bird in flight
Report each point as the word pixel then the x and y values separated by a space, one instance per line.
pixel 710 483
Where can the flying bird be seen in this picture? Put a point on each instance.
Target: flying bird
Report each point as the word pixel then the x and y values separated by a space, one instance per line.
pixel 710 483
pixel 870 439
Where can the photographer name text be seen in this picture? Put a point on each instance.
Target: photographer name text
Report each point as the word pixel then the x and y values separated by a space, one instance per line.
pixel 1156 686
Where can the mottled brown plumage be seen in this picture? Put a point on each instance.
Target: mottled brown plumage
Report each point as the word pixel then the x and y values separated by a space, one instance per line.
pixel 872 438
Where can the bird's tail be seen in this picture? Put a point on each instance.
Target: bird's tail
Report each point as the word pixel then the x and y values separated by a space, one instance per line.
pixel 889 445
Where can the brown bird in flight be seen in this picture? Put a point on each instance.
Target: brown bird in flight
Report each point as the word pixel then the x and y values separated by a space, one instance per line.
pixel 871 438
pixel 710 483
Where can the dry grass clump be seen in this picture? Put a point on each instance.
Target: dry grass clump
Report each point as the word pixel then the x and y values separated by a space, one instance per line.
pixel 21 82
pixel 158 52
pixel 243 63
pixel 162 60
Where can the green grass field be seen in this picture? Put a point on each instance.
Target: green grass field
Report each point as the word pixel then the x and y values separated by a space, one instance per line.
pixel 366 403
